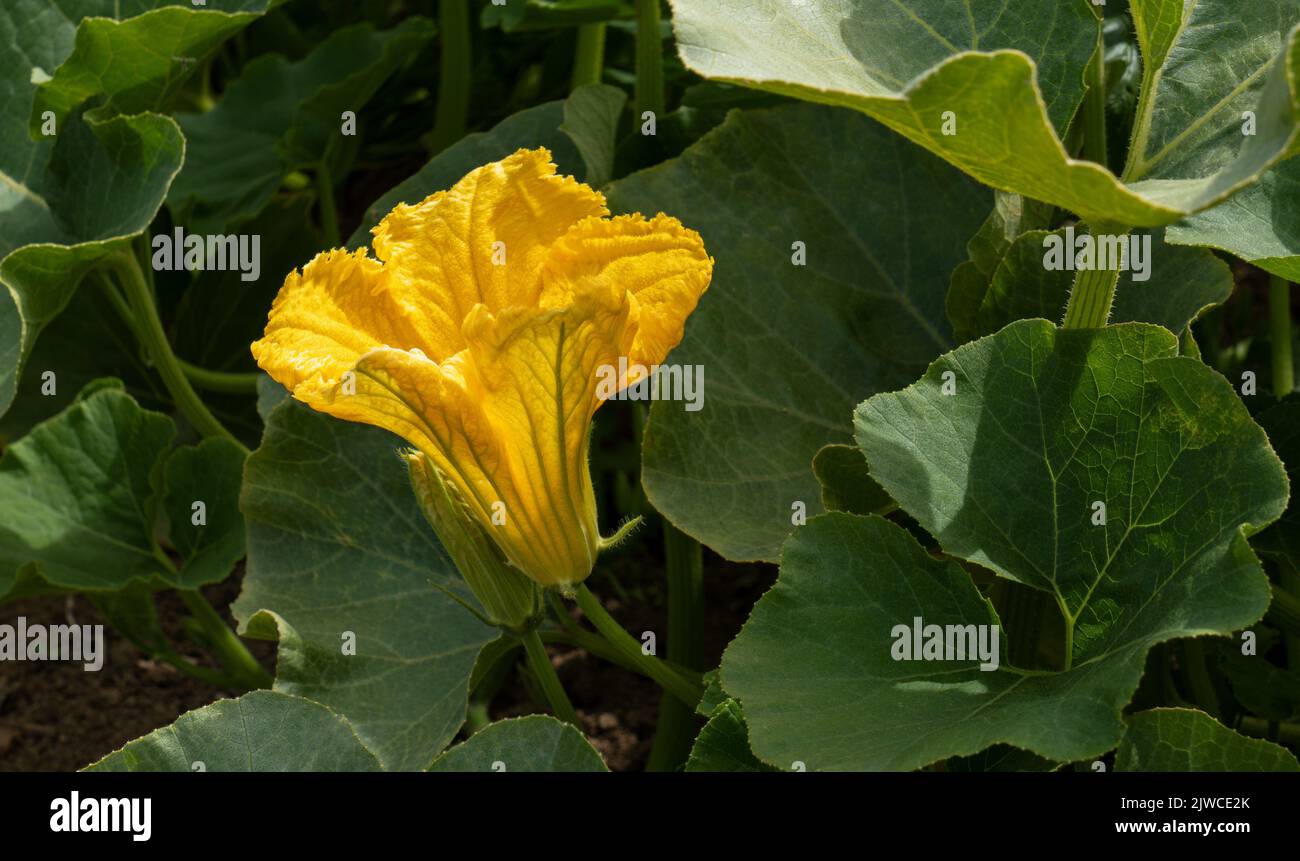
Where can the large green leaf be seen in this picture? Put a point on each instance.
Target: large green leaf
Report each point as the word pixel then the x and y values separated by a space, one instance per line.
pixel 81 493
pixel 788 350
pixel 68 199
pixel 532 743
pixel 1260 224
pixel 136 54
pixel 280 116
pixel 79 507
pixel 1004 472
pixel 1171 740
pixel 1011 75
pixel 339 554
pixel 260 731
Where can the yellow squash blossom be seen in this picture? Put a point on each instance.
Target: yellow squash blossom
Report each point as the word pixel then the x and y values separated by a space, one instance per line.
pixel 478 333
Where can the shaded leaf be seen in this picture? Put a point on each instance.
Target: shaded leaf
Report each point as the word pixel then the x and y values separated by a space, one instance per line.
pixel 261 731
pixel 790 349
pixel 723 743
pixel 531 743
pixel 1171 740
pixel 339 553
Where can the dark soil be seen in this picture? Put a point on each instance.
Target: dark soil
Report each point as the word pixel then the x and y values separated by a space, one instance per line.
pixel 54 716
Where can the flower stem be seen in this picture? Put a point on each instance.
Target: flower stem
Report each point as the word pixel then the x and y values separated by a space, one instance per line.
pixel 589 56
pixel 544 670
pixel 1094 106
pixel 138 303
pixel 677 721
pixel 1091 296
pixel 329 213
pixel 624 642
pixel 231 651
pixel 454 79
pixel 220 381
pixel 1279 325
pixel 649 93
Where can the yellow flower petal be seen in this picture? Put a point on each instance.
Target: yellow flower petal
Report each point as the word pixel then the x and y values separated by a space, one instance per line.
pixel 491 371
pixel 445 246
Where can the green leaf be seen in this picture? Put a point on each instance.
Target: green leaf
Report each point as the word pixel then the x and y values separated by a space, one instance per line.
pixel 1010 75
pixel 538 126
pixel 1012 216
pixel 1260 224
pixel 261 731
pixel 846 482
pixel 1001 758
pixel 1175 740
pixel 280 116
pixel 208 474
pixel 54 226
pixel 531 743
pixel 78 503
pixel 138 63
pixel 791 349
pixel 338 553
pixel 1004 473
pixel 591 116
pixel 88 341
pixel 723 743
pixel 1183 283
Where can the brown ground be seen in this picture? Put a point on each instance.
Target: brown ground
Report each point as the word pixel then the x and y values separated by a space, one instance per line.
pixel 56 717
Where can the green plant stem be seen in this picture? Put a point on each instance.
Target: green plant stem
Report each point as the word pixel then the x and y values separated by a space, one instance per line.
pixel 649 92
pixel 220 381
pixel 544 670
pixel 1279 328
pixel 675 730
pixel 1284 612
pixel 1091 298
pixel 630 648
pixel 589 56
pixel 1289 587
pixel 329 213
pixel 231 651
pixel 1287 733
pixel 1195 673
pixel 1094 107
pixel 452 111
pixel 137 302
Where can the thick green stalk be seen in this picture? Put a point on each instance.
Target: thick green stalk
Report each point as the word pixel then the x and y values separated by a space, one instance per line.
pixel 677 722
pixel 1286 733
pixel 220 381
pixel 138 303
pixel 649 93
pixel 1279 326
pixel 231 651
pixel 544 670
pixel 1196 674
pixel 454 80
pixel 1091 298
pixel 630 648
pixel 1284 612
pixel 1094 107
pixel 589 56
pixel 329 212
